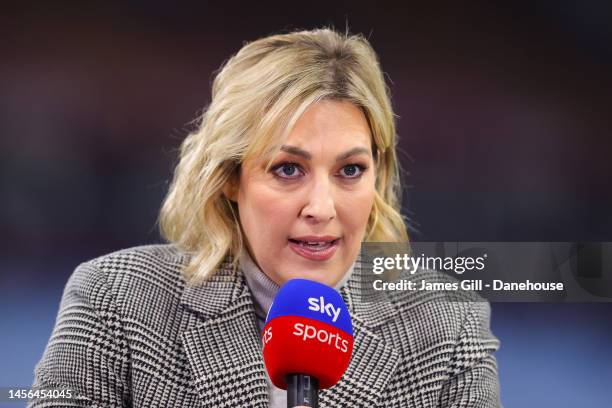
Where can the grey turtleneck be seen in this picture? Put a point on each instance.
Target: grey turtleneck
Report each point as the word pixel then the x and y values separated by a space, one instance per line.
pixel 263 290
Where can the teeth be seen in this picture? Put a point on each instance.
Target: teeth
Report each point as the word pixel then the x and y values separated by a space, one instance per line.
pixel 315 243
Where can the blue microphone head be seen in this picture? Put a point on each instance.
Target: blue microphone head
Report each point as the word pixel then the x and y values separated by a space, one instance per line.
pixel 308 331
pixel 312 300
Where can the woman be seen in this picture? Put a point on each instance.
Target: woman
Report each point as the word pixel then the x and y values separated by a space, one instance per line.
pixel 292 166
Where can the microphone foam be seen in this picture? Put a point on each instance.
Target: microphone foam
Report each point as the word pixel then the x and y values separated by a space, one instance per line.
pixel 308 331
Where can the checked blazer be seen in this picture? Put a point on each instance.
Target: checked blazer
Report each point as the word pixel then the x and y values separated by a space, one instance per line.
pixel 131 332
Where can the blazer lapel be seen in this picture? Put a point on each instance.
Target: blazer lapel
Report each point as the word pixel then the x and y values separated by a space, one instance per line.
pixel 224 351
pixel 373 362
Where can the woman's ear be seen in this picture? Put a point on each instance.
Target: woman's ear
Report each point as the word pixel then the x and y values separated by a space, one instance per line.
pixel 230 190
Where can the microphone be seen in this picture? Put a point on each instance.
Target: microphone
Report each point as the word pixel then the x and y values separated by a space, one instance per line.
pixel 307 340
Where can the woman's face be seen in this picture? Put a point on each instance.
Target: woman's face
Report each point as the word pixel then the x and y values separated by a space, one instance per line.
pixel 320 188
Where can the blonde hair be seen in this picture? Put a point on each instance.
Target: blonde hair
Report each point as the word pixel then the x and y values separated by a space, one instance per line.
pixel 257 97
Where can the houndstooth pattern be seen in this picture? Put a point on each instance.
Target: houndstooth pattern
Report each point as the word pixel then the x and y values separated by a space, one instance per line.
pixel 131 333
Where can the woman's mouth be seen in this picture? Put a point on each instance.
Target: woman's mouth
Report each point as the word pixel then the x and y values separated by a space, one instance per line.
pixel 314 251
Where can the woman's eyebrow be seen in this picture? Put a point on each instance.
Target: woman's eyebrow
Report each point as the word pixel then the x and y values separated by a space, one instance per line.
pixel 303 153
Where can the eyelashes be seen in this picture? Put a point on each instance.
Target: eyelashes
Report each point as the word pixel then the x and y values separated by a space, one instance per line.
pixel 292 171
pixel 292 168
pixel 355 169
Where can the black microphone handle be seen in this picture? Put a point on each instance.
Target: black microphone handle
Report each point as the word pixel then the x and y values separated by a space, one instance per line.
pixel 303 390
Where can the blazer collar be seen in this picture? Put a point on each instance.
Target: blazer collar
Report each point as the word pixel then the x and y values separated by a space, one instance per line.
pixel 224 287
pixel 224 349
pixel 216 294
pixel 374 308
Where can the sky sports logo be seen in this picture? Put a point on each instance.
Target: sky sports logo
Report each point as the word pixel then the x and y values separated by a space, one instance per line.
pixel 310 332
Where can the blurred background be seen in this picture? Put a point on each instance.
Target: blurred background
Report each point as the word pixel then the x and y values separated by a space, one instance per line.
pixel 504 118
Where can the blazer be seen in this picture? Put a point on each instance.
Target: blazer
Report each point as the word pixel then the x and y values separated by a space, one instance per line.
pixel 130 332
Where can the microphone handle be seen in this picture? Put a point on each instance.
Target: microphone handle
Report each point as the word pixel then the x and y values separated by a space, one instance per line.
pixel 303 390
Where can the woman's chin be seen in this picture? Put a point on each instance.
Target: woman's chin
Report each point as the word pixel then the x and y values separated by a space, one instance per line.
pixel 326 272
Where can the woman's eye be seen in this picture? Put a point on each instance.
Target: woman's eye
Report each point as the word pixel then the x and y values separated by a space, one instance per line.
pixel 293 171
pixel 286 170
pixel 353 170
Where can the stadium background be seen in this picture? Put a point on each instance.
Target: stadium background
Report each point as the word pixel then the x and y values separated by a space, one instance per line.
pixel 505 135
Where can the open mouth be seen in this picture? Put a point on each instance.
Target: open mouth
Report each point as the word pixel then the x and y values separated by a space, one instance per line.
pixel 315 246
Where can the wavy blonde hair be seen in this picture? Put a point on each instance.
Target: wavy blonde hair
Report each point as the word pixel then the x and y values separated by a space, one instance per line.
pixel 257 97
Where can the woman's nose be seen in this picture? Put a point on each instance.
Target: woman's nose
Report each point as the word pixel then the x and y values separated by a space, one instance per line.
pixel 320 205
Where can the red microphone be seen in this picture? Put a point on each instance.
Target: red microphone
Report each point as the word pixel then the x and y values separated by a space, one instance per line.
pixel 307 340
